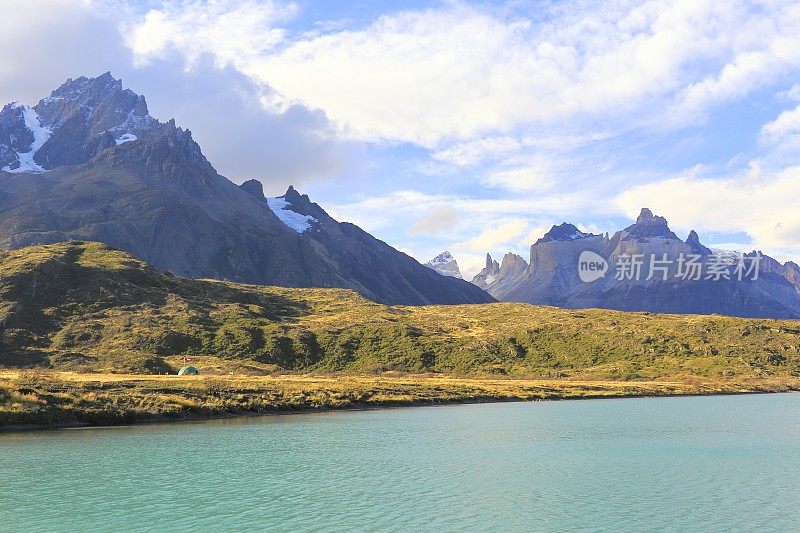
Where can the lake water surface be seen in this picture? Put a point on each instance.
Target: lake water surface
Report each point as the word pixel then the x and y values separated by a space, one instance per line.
pixel 670 464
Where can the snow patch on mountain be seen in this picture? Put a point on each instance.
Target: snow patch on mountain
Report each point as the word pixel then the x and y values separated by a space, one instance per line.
pixel 296 221
pixel 445 264
pixel 40 136
pixel 125 138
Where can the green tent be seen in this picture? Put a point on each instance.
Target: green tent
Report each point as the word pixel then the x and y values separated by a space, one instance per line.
pixel 188 371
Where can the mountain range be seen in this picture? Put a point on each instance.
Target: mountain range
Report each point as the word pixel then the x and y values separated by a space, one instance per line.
pixel 645 267
pixel 90 163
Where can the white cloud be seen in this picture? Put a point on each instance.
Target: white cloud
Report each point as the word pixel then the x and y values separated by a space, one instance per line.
pixel 765 207
pixel 474 152
pixel 438 220
pixel 747 71
pixel 792 93
pixel 533 235
pixel 42 43
pixel 484 225
pixel 537 175
pixel 458 73
pixel 785 128
pixel 231 31
pixel 470 264
pixel 491 238
pixel 376 213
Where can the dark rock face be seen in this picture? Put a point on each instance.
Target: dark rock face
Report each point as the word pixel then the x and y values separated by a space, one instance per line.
pixel 15 137
pixel 553 276
pixel 649 226
pixel 254 188
pixel 563 232
pixel 694 243
pixel 106 171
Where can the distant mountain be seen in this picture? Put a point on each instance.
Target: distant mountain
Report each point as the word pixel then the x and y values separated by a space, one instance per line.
pixel 497 275
pixel 644 267
pixel 445 264
pixel 90 163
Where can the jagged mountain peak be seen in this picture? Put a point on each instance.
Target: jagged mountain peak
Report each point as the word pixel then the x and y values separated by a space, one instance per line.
pixel 445 264
pixel 443 257
pixel 513 263
pixel 297 211
pixel 84 86
pixel 693 240
pixel 254 188
pixel 80 119
pixel 645 216
pixel 649 226
pixel 563 232
pixel 102 101
pixel 557 275
pixel 297 199
pixel 491 265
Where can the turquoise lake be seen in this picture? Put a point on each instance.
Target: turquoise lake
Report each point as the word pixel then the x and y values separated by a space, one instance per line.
pixel 669 464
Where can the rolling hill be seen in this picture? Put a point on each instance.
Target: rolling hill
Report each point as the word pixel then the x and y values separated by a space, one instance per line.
pixel 86 307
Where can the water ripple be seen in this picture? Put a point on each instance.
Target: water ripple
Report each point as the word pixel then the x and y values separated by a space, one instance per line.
pixel 678 464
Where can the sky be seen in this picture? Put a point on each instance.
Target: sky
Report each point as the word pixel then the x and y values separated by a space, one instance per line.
pixel 466 126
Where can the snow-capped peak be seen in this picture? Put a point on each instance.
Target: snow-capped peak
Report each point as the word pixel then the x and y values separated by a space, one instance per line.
pixel 445 264
pixel 40 136
pixel 282 209
pixel 441 259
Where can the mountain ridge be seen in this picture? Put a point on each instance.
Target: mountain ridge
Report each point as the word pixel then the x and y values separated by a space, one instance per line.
pixel 660 282
pixel 110 172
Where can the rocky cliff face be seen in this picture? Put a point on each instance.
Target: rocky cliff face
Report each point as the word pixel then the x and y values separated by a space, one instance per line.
pixel 78 121
pixel 445 264
pixel 89 163
pixel 501 276
pixel 486 277
pixel 647 268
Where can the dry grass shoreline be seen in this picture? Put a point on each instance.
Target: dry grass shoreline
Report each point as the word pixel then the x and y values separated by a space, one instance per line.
pixel 49 399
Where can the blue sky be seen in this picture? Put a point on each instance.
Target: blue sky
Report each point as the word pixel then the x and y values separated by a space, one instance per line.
pixel 468 126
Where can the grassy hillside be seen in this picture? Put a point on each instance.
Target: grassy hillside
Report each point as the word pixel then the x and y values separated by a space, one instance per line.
pixel 83 307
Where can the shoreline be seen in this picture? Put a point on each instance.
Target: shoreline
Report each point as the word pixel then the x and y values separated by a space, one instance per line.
pixel 52 401
pixel 357 409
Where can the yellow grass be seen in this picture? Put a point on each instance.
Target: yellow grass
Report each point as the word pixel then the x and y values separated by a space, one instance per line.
pixel 69 398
